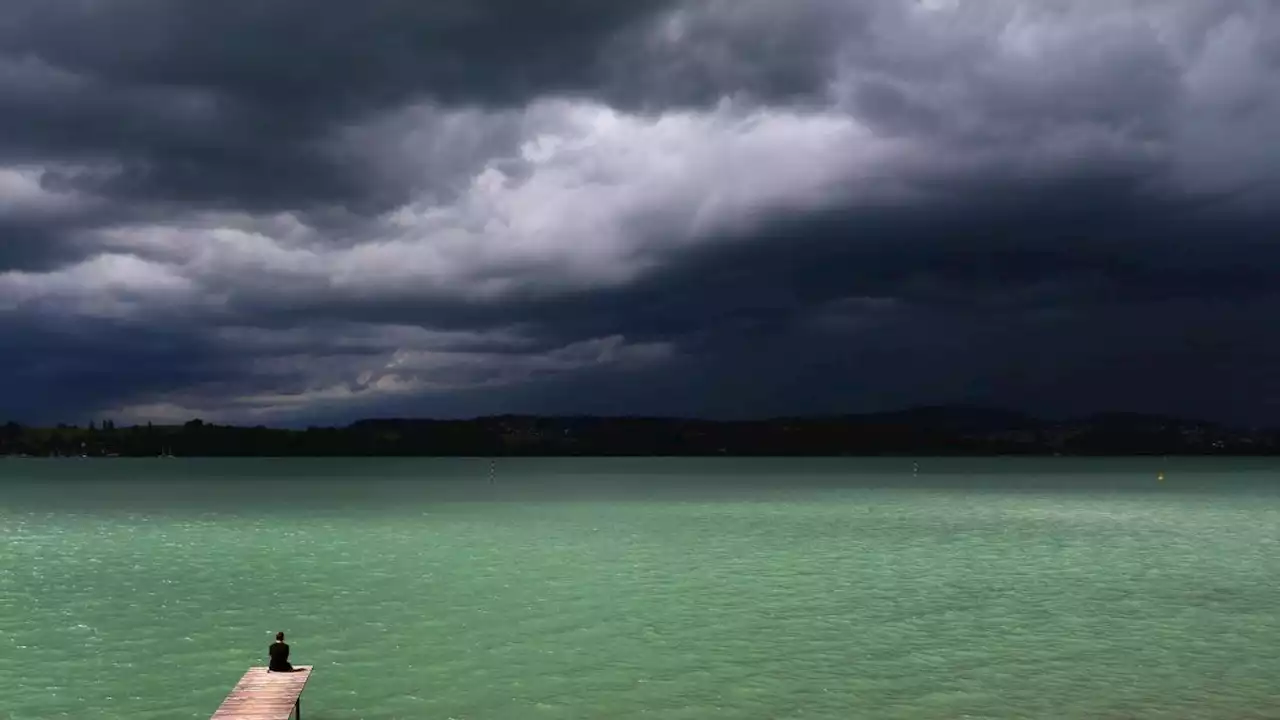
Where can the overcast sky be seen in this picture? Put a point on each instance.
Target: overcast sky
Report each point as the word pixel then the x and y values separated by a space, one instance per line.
pixel 298 211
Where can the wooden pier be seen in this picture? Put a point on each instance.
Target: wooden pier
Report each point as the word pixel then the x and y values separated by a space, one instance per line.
pixel 262 695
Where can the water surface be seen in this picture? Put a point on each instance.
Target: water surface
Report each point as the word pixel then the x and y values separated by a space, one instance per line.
pixel 716 588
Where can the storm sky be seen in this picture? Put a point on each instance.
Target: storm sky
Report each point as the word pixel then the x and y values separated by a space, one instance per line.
pixel 298 211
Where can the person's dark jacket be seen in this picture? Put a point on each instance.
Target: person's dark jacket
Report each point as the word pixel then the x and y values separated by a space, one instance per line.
pixel 279 653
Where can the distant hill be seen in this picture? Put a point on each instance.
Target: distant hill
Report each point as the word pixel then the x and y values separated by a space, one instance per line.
pixel 957 418
pixel 938 430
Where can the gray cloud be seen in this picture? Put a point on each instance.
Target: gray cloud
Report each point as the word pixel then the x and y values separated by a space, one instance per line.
pixel 733 208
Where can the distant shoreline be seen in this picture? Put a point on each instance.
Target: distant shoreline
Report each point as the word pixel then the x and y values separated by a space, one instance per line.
pixel 849 456
pixel 923 432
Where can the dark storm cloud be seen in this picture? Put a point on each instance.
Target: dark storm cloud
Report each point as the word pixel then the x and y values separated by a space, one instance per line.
pixel 34 245
pixel 1026 249
pixel 771 52
pixel 225 103
pixel 707 207
pixel 310 55
pixel 55 370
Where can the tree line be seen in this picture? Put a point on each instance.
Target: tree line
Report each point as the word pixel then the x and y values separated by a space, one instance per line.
pixel 927 431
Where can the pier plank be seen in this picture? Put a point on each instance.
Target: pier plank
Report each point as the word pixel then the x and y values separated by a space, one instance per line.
pixel 262 695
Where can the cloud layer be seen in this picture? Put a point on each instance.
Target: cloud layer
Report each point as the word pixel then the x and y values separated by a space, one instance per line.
pixel 709 207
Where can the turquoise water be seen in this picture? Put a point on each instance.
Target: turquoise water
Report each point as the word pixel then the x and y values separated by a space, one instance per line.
pixel 645 588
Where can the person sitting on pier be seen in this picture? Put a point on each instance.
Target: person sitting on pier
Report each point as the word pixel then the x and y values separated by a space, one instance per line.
pixel 279 652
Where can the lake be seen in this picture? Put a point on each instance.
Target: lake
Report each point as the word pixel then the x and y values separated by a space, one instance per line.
pixel 645 588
